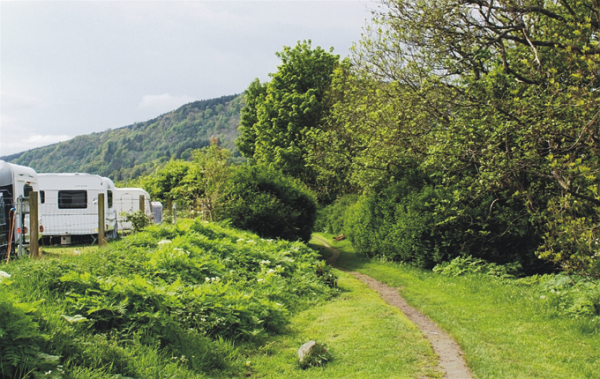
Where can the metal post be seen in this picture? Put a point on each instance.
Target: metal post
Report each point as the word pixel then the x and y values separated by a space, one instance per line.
pixel 174 213
pixel 142 204
pixel 101 237
pixel 34 227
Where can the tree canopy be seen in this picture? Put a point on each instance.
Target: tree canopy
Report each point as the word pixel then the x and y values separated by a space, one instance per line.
pixel 279 113
pixel 493 101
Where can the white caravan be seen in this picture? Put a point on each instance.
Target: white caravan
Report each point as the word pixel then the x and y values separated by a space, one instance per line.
pixel 16 182
pixel 69 206
pixel 127 200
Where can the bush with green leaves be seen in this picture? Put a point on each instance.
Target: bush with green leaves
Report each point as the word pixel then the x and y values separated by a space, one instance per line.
pixel 263 200
pixel 469 265
pixel 21 341
pixel 193 291
pixel 138 219
pixel 424 224
pixel 573 295
pixel 330 219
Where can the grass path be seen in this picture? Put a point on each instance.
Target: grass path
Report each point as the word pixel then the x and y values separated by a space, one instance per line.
pixel 505 329
pixel 368 339
pixel 450 355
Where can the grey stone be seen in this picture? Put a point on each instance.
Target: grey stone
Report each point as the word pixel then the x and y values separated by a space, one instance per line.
pixel 305 351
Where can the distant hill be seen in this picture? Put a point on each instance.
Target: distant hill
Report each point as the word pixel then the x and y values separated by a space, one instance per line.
pixel 135 150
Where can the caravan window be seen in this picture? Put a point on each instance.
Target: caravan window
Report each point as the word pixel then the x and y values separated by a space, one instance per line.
pixel 72 199
pixel 26 189
pixel 2 210
pixel 110 199
pixel 42 197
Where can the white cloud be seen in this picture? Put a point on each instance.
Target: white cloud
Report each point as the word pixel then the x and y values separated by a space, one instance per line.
pixel 11 143
pixel 164 103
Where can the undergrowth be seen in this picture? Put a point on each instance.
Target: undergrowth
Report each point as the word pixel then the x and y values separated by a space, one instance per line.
pixel 569 295
pixel 174 301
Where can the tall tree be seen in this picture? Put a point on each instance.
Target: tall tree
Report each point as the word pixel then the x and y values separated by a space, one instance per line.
pixel 503 101
pixel 279 113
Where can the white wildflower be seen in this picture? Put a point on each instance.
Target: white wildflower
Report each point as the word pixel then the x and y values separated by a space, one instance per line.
pixel 164 242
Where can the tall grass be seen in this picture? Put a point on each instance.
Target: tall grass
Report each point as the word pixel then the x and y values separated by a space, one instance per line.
pixel 172 302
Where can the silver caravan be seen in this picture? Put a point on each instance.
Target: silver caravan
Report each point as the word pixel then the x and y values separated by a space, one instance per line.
pixel 127 200
pixel 16 182
pixel 69 206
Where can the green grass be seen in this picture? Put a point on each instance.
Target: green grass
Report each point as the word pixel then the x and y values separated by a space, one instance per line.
pixel 57 251
pixel 176 301
pixel 367 337
pixel 505 329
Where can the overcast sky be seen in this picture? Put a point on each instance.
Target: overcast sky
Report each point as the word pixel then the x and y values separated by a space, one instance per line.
pixel 75 67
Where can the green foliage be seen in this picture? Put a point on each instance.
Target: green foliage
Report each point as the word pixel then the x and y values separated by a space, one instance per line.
pixel 138 149
pixel 572 235
pixel 279 114
pixel 507 328
pixel 469 265
pixel 21 340
pixel 492 102
pixel 187 295
pixel 325 272
pixel 331 218
pixel 424 224
pixel 263 200
pixel 574 296
pixel 195 185
pixel 139 220
pixel 214 178
pixel 177 181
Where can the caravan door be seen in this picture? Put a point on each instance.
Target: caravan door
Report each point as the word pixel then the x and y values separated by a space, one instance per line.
pixel 127 205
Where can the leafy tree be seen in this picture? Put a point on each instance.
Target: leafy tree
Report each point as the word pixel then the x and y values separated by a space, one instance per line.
pixel 279 113
pixel 213 177
pixel 176 181
pixel 493 100
pixel 265 201
pixel 254 96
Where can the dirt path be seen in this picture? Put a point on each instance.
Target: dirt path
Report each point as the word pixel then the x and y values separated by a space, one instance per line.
pixel 451 360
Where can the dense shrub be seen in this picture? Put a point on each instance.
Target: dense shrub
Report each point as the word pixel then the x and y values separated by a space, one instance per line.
pixel 330 219
pixel 469 265
pixel 264 201
pixel 425 225
pixel 571 295
pixel 180 298
pixel 21 340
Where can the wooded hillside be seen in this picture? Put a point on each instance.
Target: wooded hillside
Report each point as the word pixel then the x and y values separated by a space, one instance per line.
pixel 134 150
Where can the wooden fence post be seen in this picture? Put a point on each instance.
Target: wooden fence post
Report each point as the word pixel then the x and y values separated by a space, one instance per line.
pixel 34 227
pixel 142 204
pixel 101 238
